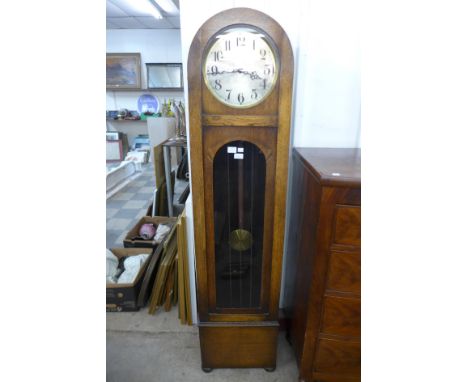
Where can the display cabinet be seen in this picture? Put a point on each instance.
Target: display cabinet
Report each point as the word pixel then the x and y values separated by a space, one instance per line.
pixel 323 264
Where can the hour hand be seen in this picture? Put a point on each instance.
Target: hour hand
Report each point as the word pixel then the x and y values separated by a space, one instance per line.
pixel 240 70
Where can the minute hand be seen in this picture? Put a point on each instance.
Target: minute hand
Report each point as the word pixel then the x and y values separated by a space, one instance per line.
pixel 253 75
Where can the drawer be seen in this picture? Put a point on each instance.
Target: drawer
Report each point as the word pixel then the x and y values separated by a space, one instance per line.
pixel 351 196
pixel 347 225
pixel 342 316
pixel 338 357
pixel 344 272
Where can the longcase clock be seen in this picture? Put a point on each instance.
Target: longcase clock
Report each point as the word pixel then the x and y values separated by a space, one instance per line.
pixel 240 74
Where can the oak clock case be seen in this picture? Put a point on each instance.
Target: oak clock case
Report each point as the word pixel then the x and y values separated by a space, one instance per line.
pixel 240 72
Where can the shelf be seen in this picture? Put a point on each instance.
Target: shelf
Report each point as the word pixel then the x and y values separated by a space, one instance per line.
pixel 170 90
pixel 127 120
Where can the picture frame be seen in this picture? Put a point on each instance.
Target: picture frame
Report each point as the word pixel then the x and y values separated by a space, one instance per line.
pixel 123 71
pixel 164 76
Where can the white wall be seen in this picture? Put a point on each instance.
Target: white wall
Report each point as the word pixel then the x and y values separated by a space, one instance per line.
pixel 325 41
pixel 328 81
pixel 155 46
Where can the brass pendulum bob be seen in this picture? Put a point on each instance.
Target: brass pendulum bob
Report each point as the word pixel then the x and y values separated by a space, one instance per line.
pixel 240 239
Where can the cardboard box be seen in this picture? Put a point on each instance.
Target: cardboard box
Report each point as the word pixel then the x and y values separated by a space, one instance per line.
pixel 128 242
pixel 123 297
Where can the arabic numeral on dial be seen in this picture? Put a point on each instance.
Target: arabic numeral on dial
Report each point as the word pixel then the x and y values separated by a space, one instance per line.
pixel 218 85
pixel 218 55
pixel 240 98
pixel 214 70
pixel 254 94
pixel 263 54
pixel 227 44
pixel 264 83
pixel 240 41
pixel 253 44
pixel 229 94
pixel 269 70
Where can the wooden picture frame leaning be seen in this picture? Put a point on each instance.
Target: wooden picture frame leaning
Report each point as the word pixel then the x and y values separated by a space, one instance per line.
pixel 123 71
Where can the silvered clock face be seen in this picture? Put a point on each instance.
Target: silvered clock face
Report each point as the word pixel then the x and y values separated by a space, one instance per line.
pixel 240 67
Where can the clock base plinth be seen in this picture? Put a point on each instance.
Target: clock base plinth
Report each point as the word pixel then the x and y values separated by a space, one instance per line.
pixel 239 345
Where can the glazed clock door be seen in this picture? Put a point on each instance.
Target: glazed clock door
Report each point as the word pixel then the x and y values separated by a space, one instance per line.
pixel 239 170
pixel 239 204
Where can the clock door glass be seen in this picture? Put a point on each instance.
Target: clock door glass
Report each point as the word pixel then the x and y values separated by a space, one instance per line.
pixel 239 192
pixel 240 67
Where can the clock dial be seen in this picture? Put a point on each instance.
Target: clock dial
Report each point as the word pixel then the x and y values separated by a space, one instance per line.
pixel 240 67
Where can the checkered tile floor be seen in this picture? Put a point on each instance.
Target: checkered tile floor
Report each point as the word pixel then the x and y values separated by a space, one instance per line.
pixel 127 206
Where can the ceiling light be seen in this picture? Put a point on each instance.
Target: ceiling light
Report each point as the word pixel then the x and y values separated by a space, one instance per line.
pixel 168 6
pixel 139 8
pixel 154 11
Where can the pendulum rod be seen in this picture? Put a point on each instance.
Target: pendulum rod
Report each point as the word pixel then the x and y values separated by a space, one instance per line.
pixel 251 218
pixel 240 206
pixel 229 227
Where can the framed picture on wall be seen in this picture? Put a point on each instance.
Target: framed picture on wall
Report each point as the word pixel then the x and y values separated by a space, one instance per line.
pixel 164 76
pixel 123 71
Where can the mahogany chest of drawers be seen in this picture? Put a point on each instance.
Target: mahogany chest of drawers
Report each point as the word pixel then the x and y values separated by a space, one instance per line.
pixel 323 264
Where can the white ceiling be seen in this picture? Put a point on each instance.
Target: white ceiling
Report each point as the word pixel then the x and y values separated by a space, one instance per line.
pixel 121 14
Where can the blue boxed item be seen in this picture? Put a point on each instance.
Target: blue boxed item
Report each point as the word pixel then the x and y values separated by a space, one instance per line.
pixel 141 141
pixel 112 114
